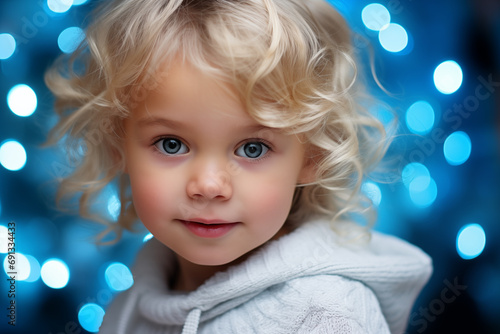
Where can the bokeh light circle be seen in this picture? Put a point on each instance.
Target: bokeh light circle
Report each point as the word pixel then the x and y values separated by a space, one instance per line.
pixel 4 236
pixel 22 100
pixel 7 46
pixel 420 117
pixel 69 39
pixel 90 317
pixel 118 277
pixel 12 155
pixel 20 265
pixel 471 241
pixel 375 16
pixel 393 37
pixel 448 77
pixel 423 191
pixel 59 6
pixel 413 170
pixel 457 148
pixel 55 273
pixel 34 269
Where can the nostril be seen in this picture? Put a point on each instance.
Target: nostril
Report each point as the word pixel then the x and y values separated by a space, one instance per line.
pixel 212 190
pixel 210 186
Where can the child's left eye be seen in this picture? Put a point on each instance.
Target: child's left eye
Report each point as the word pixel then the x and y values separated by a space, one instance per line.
pixel 252 150
pixel 171 146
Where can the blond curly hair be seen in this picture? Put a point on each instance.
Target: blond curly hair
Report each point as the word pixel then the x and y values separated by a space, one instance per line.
pixel 290 61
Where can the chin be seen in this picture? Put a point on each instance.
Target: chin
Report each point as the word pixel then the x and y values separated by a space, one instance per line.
pixel 215 259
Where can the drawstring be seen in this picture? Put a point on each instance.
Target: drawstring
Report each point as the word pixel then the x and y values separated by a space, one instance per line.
pixel 192 321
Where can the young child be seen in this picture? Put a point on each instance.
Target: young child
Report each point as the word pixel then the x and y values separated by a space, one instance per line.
pixel 237 133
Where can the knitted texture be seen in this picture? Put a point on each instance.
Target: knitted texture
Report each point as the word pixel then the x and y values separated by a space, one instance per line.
pixel 306 282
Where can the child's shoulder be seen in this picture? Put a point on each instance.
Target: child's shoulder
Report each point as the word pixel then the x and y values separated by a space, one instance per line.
pixel 333 301
pixel 316 245
pixel 379 277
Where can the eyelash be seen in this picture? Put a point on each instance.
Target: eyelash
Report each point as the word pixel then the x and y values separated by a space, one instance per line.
pixel 161 150
pixel 264 143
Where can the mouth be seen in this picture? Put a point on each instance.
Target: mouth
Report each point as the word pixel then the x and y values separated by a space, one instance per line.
pixel 209 228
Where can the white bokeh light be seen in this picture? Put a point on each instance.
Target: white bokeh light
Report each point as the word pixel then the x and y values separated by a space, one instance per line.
pixel 4 236
pixel 448 77
pixel 20 266
pixel 55 273
pixel 12 155
pixel 22 100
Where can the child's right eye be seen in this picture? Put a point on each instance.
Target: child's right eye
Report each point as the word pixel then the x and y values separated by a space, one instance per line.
pixel 171 146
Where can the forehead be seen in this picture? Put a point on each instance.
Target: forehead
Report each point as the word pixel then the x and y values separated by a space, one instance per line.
pixel 181 77
pixel 181 90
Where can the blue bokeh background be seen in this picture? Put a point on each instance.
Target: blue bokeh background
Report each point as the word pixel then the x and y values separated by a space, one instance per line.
pixel 445 198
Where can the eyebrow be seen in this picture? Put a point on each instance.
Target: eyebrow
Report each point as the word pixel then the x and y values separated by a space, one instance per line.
pixel 160 121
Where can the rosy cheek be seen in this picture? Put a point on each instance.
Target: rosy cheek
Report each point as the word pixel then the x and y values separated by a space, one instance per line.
pixel 141 204
pixel 273 203
pixel 148 198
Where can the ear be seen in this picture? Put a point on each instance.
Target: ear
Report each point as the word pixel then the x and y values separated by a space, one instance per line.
pixel 309 169
pixel 307 173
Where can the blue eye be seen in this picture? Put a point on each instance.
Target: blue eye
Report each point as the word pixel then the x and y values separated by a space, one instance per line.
pixel 252 150
pixel 171 146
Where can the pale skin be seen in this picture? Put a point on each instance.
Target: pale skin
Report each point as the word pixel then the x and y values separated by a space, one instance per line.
pixel 196 158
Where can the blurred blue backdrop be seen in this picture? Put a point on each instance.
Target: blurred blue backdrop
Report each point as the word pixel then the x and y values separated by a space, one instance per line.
pixel 441 62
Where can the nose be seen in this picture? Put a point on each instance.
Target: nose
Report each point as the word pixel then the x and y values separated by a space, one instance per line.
pixel 210 183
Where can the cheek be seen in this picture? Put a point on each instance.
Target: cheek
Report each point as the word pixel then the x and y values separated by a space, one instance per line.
pixel 145 199
pixel 152 198
pixel 277 192
pixel 270 202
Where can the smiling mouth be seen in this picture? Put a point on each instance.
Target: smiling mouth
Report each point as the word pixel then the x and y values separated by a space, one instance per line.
pixel 209 228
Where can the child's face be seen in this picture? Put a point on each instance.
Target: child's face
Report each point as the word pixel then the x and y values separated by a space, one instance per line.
pixel 207 180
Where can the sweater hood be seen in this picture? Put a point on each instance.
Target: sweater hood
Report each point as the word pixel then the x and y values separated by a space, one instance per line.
pixel 392 268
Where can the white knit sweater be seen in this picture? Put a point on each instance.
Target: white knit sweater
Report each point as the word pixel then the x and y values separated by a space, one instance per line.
pixel 308 281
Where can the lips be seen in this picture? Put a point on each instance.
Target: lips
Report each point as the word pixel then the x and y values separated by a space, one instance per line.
pixel 209 228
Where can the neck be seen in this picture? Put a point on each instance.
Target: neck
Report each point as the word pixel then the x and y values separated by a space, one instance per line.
pixel 190 276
